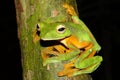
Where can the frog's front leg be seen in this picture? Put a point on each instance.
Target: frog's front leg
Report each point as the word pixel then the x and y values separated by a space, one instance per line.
pixel 62 57
pixel 52 51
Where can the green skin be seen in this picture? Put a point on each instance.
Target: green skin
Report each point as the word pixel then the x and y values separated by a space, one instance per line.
pixel 56 31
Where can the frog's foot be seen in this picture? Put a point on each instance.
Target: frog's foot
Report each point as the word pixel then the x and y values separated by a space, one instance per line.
pixel 87 70
pixel 88 65
pixel 68 70
pixel 69 9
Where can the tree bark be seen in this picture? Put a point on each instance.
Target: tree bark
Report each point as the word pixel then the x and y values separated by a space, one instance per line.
pixel 29 13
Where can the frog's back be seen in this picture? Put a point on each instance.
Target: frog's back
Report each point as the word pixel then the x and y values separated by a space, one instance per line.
pixel 82 32
pixel 79 32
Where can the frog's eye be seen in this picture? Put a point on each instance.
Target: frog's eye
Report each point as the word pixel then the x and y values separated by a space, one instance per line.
pixel 61 28
pixel 37 29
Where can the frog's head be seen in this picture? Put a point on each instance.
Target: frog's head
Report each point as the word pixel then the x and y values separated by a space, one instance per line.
pixel 53 31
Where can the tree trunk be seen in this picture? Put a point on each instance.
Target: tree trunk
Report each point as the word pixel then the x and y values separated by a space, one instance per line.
pixel 29 13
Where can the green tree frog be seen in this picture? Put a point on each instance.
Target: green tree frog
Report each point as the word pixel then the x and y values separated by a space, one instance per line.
pixel 76 36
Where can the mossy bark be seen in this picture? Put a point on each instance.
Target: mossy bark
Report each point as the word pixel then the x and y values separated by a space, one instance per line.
pixel 29 13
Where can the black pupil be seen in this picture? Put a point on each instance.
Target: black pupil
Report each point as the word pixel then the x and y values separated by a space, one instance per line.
pixel 61 29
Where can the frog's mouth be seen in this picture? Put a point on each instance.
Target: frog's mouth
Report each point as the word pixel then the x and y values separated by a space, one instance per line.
pixel 47 38
pixel 61 40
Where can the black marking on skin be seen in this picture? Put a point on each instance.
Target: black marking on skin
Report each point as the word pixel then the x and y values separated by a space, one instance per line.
pixel 51 55
pixel 73 67
pixel 82 49
pixel 38 33
pixel 54 49
pixel 64 51
pixel 64 46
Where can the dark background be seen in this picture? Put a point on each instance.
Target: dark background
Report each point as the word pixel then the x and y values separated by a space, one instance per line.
pixel 101 16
